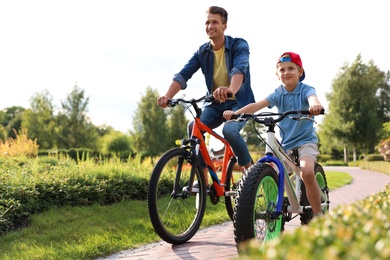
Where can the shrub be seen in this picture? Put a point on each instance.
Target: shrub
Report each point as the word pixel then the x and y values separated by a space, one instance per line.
pixel 33 185
pixel 374 157
pixel 20 146
pixel 334 163
pixel 357 231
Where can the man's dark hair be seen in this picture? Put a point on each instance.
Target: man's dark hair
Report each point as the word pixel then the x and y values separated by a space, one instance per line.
pixel 218 10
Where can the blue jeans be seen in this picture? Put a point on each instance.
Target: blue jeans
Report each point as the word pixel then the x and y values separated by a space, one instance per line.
pixel 212 117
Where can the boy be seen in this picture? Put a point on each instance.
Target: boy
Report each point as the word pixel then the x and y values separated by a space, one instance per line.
pixel 293 95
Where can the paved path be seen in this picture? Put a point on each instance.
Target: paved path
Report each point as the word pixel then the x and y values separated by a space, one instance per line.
pixel 204 245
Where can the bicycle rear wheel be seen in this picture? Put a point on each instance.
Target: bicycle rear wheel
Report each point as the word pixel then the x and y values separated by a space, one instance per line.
pixel 322 183
pixel 175 214
pixel 230 186
pixel 255 206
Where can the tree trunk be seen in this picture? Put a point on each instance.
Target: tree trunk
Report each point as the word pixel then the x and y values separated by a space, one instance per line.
pixel 354 153
pixel 345 154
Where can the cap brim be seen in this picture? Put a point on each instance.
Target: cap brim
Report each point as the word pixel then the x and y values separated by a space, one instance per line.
pixel 303 76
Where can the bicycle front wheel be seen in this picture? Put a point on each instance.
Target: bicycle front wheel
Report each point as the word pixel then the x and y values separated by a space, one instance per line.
pixel 255 206
pixel 175 213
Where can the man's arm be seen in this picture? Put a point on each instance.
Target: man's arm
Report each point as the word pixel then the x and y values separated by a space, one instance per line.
pixel 221 93
pixel 173 89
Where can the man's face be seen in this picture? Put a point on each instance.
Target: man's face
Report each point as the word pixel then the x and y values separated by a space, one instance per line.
pixel 214 27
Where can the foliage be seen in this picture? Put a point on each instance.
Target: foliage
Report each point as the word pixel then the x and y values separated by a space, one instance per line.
pixel 150 126
pixel 384 148
pixel 355 107
pixel 76 128
pixel 20 146
pixel 40 120
pixel 334 163
pixel 378 166
pixel 177 125
pixel 249 134
pixel 373 157
pixel 32 185
pixel 357 231
pixel 116 144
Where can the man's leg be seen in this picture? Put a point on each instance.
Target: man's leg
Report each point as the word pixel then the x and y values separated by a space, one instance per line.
pixel 231 132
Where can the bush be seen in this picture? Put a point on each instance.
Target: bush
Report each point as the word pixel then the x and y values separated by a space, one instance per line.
pixel 357 231
pixel 33 185
pixel 334 163
pixel 374 157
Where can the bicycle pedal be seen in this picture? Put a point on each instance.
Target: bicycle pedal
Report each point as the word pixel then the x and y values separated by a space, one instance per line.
pixel 230 193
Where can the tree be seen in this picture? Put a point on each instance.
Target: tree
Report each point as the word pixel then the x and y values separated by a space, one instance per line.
pixel 40 120
pixel 353 118
pixel 250 136
pixel 150 125
pixel 177 125
pixel 75 127
pixel 11 119
pixel 116 144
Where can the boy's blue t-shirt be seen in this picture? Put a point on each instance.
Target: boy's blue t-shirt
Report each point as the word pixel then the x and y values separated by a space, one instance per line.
pixel 294 133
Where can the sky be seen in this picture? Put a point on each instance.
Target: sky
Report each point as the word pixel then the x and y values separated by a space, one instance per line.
pixel 115 49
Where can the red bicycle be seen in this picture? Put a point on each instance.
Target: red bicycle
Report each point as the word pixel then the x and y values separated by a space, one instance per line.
pixel 176 209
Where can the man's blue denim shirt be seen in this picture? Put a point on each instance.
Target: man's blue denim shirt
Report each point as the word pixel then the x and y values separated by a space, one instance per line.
pixel 237 61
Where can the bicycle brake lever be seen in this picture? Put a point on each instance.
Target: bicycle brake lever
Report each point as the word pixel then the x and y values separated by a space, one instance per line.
pixel 298 118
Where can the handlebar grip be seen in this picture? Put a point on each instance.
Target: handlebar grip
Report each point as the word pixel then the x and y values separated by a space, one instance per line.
pixel 307 112
pixel 234 116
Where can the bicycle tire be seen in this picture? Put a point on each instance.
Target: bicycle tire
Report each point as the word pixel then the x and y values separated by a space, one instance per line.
pixel 307 216
pixel 229 186
pixel 175 219
pixel 255 204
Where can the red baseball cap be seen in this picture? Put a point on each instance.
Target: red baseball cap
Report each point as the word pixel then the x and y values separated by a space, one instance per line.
pixel 295 58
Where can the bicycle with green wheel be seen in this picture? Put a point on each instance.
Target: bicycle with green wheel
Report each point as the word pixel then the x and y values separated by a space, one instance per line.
pixel 272 192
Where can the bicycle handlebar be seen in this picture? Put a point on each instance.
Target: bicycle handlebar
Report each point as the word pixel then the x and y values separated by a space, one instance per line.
pixel 174 102
pixel 206 98
pixel 267 117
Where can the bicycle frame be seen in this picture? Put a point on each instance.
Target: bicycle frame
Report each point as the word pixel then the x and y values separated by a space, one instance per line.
pixel 288 173
pixel 197 130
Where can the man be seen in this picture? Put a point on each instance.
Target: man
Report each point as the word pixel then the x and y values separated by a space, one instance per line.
pixel 224 62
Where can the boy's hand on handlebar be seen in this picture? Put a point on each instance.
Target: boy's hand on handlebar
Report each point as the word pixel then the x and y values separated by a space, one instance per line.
pixel 315 109
pixel 228 114
pixel 222 93
pixel 163 101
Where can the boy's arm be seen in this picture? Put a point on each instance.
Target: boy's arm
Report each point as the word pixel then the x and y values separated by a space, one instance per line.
pixel 250 108
pixel 315 105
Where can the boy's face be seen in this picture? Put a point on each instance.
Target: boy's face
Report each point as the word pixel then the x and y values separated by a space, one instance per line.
pixel 214 27
pixel 289 73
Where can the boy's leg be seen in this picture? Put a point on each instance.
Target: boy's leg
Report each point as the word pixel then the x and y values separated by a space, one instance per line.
pixel 312 188
pixel 307 157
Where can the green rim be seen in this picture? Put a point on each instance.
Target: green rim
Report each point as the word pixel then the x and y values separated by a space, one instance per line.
pixel 268 203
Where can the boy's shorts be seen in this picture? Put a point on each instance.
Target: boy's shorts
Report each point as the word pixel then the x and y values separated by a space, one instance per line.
pixel 309 150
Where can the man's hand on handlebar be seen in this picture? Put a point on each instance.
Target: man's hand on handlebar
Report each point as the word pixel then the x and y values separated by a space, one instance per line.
pixel 163 101
pixel 222 93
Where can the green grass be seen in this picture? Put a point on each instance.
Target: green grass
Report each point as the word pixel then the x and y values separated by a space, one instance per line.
pixel 96 231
